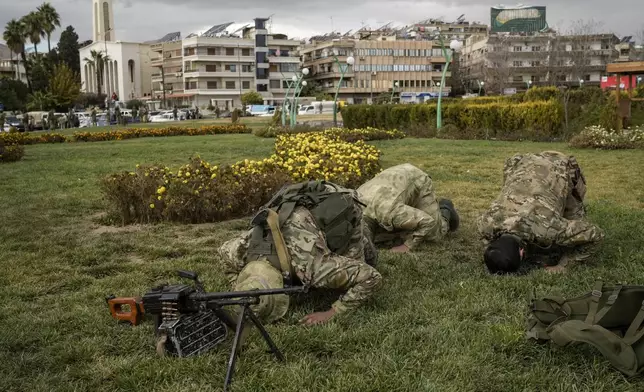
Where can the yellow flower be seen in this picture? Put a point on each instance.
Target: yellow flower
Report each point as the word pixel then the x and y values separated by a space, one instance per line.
pixel 161 190
pixel 151 205
pixel 158 197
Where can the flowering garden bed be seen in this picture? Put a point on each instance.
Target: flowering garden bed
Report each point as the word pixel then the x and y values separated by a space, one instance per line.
pixel 609 139
pixel 203 192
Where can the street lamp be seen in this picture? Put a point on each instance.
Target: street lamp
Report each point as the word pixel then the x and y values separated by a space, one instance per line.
pixel 581 82
pixel 529 84
pixel 481 84
pixel 350 61
pixel 393 90
pixel 455 46
pixel 299 81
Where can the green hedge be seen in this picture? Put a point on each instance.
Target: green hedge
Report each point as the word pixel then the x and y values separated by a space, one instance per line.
pixel 539 120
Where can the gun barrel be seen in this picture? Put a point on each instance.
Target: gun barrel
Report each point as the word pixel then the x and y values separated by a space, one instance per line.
pixel 249 293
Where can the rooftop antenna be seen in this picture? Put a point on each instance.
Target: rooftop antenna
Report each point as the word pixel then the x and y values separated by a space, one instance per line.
pixel 332 27
pixel 270 24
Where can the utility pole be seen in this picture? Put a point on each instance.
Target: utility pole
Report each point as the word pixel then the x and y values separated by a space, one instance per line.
pixel 239 75
pixel 163 82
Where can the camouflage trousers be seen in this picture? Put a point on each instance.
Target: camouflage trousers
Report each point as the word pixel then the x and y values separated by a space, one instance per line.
pixel 312 261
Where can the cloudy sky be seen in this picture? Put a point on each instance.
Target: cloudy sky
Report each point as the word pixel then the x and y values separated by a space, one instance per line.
pixel 140 20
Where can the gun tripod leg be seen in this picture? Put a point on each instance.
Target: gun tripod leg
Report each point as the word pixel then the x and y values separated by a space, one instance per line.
pixel 266 336
pixel 233 353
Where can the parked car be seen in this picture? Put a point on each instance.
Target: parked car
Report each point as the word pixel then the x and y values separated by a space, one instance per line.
pixel 13 122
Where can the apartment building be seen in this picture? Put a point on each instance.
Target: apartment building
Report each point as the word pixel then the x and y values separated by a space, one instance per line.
pixel 167 71
pixel 218 68
pixel 507 63
pixel 415 66
pixel 10 65
pixel 459 29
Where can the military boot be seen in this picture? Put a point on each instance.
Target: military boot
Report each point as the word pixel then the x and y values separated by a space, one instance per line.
pixel 449 212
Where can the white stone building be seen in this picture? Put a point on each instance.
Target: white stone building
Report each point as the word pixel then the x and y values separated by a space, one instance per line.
pixel 127 71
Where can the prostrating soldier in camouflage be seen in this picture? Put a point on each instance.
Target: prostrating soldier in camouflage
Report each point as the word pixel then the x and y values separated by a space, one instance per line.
pixel 402 210
pixel 539 217
pixel 311 233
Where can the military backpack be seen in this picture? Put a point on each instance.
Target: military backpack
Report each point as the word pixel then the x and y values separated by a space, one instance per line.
pixel 609 318
pixel 336 213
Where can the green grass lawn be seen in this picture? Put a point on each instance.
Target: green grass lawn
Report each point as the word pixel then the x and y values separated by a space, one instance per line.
pixel 440 323
pixel 252 122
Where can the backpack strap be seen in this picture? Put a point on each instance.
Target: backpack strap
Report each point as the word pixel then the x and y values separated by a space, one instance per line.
pixel 632 335
pixel 596 295
pixel 608 305
pixel 615 349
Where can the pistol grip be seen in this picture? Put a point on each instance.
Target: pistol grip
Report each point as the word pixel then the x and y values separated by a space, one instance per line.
pixel 133 315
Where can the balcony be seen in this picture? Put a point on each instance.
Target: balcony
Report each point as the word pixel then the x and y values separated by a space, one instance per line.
pixel 156 62
pixel 331 75
pixel 200 73
pixel 219 58
pixel 217 92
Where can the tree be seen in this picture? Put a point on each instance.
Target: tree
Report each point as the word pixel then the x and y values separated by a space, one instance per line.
pixel 64 88
pixel 14 36
pixel 97 60
pixel 40 72
pixel 68 49
pixel 496 68
pixel 50 19
pixel 13 94
pixel 40 101
pixel 34 24
pixel 251 98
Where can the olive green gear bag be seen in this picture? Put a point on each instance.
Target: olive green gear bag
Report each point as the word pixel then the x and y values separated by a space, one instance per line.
pixel 608 318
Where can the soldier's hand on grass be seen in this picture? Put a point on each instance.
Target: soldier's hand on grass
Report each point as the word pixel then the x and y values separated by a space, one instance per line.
pixel 318 317
pixel 400 249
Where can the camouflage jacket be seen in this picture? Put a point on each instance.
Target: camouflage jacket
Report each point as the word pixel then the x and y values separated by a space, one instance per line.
pixel 541 202
pixel 312 261
pixel 387 194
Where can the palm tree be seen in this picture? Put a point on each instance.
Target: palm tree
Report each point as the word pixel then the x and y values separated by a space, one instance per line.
pixel 14 36
pixel 34 28
pixel 51 20
pixel 97 59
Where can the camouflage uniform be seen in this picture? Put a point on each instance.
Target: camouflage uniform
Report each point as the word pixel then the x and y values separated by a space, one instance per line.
pixel 312 261
pixel 541 203
pixel 401 205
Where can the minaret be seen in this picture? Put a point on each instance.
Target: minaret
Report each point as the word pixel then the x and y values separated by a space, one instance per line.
pixel 103 21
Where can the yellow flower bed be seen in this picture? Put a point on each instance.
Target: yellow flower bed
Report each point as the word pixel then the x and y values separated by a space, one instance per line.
pixel 131 133
pixel 23 138
pixel 201 192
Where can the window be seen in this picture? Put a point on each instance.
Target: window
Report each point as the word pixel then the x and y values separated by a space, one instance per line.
pixel 587 78
pixel 518 48
pixel 284 84
pixel 517 64
pixel 212 85
pixel 536 48
pixel 422 83
pixel 262 87
pixel 230 85
pixel 189 51
pixel 535 63
pixel 211 68
pixel 246 52
pixel 213 52
pixel 230 51
pixel 191 85
pixel 262 73
pixel 231 67
pixel 561 78
pixel 247 68
pixel 274 84
pixel 246 85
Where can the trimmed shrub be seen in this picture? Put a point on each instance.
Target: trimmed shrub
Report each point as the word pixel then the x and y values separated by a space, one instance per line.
pixel 11 153
pixel 200 192
pixel 349 135
pixel 609 139
pixel 508 121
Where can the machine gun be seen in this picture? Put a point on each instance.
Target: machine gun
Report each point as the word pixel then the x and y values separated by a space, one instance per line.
pixel 190 321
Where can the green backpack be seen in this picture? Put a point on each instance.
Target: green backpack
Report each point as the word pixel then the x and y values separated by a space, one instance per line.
pixel 336 213
pixel 608 318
